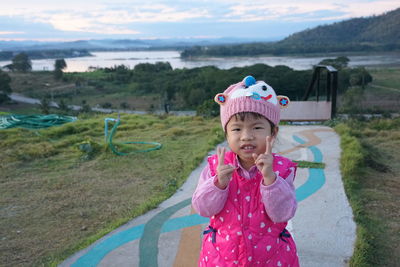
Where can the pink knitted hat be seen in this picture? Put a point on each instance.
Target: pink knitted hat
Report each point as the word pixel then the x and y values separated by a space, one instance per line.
pixel 250 95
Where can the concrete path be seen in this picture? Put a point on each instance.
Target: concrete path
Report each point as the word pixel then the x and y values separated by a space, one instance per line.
pixel 323 227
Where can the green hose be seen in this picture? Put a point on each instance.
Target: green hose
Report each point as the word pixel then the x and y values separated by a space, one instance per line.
pixel 33 121
pixel 115 151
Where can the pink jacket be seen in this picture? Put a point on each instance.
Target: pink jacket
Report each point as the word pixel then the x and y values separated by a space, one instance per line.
pixel 248 219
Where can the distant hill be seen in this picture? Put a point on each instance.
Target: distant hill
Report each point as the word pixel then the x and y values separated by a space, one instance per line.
pixel 40 50
pixel 373 31
pixel 376 33
pixel 36 49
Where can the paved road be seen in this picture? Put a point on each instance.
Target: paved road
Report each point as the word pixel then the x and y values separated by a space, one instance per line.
pixel 169 235
pixel 29 100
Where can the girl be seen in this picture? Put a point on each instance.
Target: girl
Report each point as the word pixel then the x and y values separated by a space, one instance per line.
pixel 248 192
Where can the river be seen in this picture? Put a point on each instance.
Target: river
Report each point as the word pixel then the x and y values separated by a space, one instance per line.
pixel 132 58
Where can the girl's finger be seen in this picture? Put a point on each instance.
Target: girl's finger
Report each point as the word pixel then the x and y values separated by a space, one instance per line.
pixel 221 155
pixel 271 144
pixel 260 161
pixel 226 167
pixel 268 148
pixel 227 171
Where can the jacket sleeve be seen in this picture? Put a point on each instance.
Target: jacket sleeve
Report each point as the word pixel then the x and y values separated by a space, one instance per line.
pixel 208 199
pixel 279 198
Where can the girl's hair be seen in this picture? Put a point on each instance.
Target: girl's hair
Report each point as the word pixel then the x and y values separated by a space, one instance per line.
pixel 242 116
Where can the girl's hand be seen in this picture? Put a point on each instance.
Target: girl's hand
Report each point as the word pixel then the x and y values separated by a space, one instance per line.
pixel 224 172
pixel 264 162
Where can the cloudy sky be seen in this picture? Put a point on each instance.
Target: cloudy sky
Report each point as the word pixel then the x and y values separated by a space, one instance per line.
pixel 54 20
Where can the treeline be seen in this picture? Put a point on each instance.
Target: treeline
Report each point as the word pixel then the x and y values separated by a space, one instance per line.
pixel 41 54
pixel 277 49
pixel 371 34
pixel 195 88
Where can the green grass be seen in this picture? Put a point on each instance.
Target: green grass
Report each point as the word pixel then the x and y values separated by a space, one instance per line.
pixel 56 199
pixel 387 77
pixel 370 169
pixel 382 95
pixel 309 164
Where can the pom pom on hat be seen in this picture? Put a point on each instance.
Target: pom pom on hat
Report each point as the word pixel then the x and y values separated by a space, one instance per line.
pixel 250 95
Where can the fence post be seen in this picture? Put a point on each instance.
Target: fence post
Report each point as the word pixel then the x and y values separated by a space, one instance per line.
pixel 334 93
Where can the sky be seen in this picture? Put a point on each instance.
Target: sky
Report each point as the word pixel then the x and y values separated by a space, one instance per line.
pixel 54 20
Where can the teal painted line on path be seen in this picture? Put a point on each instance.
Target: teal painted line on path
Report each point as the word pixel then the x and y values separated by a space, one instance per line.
pixel 148 245
pixel 93 257
pixel 98 252
pixel 316 178
pixel 183 222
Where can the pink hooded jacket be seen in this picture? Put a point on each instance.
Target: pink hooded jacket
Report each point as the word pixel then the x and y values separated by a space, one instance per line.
pixel 247 225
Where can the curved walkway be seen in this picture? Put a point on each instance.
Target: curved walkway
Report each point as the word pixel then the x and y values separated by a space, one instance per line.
pixel 171 234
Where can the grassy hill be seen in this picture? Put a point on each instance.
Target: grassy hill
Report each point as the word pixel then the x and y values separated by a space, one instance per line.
pixel 56 199
pixel 383 30
pixel 376 33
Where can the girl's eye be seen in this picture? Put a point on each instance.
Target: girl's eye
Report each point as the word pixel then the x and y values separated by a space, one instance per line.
pixel 235 129
pixel 259 128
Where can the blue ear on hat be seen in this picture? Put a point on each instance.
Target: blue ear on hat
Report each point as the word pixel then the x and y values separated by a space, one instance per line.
pixel 249 80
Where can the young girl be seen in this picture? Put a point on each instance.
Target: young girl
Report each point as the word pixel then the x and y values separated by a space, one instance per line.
pixel 248 192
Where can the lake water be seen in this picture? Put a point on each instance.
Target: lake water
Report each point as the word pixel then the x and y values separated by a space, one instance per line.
pixel 132 58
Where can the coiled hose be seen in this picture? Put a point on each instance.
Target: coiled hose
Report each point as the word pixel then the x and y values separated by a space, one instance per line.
pixel 115 151
pixel 33 121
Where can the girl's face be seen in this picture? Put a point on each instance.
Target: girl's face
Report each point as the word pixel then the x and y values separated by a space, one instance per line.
pixel 247 137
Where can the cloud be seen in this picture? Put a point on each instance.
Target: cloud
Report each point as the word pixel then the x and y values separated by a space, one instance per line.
pixel 103 19
pixel 305 10
pixel 8 33
pixel 120 18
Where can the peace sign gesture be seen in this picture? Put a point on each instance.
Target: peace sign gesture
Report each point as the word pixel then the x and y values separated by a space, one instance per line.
pixel 224 172
pixel 264 162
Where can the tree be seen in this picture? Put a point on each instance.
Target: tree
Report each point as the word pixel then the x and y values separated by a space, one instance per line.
pixel 124 105
pixel 63 106
pixel 338 63
pixel 59 65
pixel 5 87
pixel 45 105
pixel 21 62
pixel 85 107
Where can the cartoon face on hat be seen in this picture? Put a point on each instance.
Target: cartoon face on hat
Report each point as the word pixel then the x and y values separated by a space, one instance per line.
pixel 258 91
pixel 251 96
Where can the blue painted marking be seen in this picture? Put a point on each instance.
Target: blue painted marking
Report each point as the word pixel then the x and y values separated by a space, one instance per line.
pixel 97 253
pixel 316 152
pixel 315 181
pixel 183 222
pixel 93 257
pixel 316 178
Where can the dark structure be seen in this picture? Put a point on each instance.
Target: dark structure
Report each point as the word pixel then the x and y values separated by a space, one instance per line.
pixel 331 84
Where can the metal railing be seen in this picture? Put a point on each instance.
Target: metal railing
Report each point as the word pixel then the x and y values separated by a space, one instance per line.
pixel 331 85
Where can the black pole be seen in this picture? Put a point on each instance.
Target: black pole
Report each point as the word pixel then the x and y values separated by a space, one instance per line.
pixel 334 93
pixel 318 82
pixel 310 87
pixel 328 85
